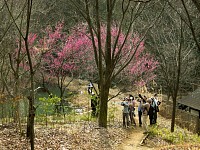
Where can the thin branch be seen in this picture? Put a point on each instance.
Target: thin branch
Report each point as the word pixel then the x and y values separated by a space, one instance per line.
pixel 2 7
pixel 132 19
pixel 3 78
pixel 178 13
pixel 79 9
pixel 127 62
pixel 119 93
pixel 88 19
pixel 12 23
pixel 191 25
pixel 119 31
pixel 20 32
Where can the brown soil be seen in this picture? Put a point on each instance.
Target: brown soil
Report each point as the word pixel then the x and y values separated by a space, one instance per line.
pixel 134 140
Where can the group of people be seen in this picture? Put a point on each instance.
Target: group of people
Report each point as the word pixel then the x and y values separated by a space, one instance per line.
pixel 147 108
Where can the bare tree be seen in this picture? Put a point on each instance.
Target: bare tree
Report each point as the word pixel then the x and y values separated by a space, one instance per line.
pixel 8 44
pixel 24 36
pixel 107 57
pixel 172 44
pixel 189 15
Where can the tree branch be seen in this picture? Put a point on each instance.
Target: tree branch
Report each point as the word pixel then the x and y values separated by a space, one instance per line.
pixel 20 32
pixel 191 25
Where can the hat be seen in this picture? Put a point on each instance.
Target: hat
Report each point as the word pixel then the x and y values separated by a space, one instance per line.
pixel 149 100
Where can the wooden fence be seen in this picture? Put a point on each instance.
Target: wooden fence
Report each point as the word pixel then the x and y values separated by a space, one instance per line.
pixel 184 119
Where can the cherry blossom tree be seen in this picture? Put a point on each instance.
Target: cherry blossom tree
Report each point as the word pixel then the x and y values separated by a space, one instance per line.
pixel 142 69
pixel 64 54
pixel 56 54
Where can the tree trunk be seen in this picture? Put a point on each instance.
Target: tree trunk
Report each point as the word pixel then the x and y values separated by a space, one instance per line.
pixel 173 115
pixel 103 104
pixel 177 81
pixel 30 122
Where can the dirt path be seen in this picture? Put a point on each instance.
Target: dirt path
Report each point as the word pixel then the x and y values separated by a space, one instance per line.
pixel 133 142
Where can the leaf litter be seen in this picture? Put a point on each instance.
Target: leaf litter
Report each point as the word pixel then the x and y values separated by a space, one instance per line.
pixel 77 136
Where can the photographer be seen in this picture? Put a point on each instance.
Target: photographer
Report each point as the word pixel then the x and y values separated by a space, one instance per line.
pixel 155 105
pixel 145 112
pixel 132 102
pixel 125 112
pixel 141 100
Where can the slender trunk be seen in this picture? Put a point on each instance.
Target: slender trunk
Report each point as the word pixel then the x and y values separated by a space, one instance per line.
pixel 173 114
pixel 105 75
pixel 176 83
pixel 104 104
pixel 17 118
pixel 30 123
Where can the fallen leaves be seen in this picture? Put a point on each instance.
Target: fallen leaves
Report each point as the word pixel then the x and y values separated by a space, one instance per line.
pixel 77 136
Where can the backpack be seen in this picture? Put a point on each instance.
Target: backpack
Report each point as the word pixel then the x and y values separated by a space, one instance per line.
pixel 154 105
pixel 151 110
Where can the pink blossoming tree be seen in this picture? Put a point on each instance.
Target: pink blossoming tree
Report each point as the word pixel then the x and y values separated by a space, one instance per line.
pixel 64 54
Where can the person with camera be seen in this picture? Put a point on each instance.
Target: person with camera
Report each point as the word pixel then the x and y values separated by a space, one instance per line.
pixel 145 112
pixel 155 105
pixel 125 111
pixel 141 100
pixel 132 109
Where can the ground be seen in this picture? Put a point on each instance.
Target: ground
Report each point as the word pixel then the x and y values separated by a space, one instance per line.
pixel 134 141
pixel 85 134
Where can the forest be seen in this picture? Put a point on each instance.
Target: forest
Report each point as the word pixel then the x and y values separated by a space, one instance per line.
pixel 56 55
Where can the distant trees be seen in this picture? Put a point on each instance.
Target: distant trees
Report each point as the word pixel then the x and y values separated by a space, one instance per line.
pixel 22 27
pixel 14 24
pixel 171 40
